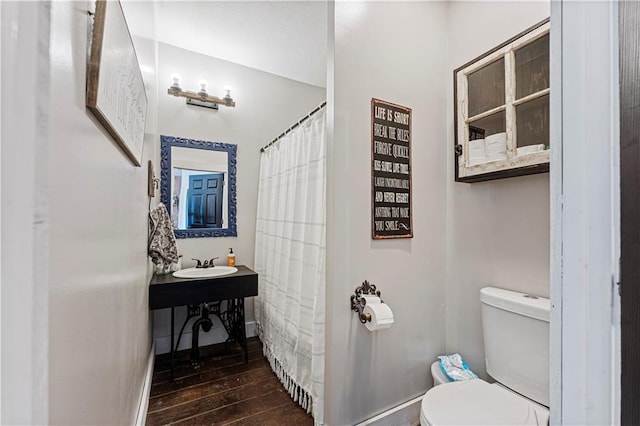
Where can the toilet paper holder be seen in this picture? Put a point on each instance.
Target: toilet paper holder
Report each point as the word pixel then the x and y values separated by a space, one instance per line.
pixel 358 302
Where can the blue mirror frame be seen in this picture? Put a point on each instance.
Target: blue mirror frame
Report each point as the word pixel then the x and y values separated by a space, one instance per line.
pixel 166 143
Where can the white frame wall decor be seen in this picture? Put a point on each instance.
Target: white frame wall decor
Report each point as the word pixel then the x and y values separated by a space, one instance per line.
pixel 513 165
pixel 115 88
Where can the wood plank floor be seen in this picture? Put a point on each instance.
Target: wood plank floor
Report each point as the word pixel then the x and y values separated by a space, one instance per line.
pixel 223 390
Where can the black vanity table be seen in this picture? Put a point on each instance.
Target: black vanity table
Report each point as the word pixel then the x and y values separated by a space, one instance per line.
pixel 167 291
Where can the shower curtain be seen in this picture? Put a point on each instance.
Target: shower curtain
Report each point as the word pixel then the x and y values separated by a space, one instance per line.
pixel 290 261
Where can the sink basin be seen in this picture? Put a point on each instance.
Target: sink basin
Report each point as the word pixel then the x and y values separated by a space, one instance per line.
pixel 216 271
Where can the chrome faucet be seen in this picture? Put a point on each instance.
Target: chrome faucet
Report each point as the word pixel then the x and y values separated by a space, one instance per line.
pixel 206 264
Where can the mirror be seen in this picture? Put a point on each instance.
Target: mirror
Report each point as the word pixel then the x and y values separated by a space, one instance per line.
pixel 198 186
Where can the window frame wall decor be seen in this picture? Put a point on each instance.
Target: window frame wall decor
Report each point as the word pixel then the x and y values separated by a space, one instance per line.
pixel 530 161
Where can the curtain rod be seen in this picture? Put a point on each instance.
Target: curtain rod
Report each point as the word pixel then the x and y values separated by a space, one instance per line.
pixel 302 120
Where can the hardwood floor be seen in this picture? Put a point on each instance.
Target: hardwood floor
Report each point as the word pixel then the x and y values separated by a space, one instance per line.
pixel 223 390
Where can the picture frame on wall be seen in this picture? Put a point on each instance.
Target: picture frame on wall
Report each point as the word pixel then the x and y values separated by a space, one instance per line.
pixel 391 190
pixel 115 89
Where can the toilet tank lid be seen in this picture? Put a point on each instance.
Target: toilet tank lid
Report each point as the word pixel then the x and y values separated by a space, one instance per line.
pixel 519 303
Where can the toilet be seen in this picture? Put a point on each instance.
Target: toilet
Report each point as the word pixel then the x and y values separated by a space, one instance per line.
pixel 516 344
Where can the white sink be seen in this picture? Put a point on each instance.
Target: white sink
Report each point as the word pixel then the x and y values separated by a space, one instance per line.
pixel 216 271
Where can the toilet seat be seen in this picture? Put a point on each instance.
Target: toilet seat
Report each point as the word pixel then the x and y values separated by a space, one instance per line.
pixel 476 402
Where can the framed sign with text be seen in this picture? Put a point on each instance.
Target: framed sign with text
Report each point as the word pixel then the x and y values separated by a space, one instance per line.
pixel 390 171
pixel 115 90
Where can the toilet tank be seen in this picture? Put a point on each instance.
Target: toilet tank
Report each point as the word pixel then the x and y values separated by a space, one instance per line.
pixel 515 329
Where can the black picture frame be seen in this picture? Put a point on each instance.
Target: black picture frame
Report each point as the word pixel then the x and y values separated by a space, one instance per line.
pixel 402 226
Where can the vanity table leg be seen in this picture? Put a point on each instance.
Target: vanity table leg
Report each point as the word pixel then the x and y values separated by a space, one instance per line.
pixel 172 343
pixel 243 330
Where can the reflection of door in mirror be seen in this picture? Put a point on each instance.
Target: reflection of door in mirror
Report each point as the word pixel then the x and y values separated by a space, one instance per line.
pixel 189 162
pixel 198 186
pixel 204 201
pixel 198 199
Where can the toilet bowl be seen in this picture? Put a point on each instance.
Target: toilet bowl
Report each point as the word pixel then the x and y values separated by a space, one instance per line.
pixel 439 378
pixel 516 343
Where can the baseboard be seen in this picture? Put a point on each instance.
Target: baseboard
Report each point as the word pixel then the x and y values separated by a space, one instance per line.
pixel 215 335
pixel 143 405
pixel 406 414
pixel 251 329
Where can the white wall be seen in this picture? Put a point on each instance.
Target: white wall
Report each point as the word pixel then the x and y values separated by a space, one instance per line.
pixel 497 231
pixel 99 330
pixel 395 51
pixel 25 222
pixel 266 105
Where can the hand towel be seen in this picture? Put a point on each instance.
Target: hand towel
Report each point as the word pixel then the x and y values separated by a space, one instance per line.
pixel 496 138
pixel 477 152
pixel 162 241
pixel 498 156
pixel 496 146
pixel 529 149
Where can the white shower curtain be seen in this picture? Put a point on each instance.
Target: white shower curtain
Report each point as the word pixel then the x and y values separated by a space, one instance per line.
pixel 290 261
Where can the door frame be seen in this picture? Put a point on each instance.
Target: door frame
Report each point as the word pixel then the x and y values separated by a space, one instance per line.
pixel 629 217
pixel 585 213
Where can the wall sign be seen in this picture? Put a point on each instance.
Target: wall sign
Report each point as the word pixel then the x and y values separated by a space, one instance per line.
pixel 115 90
pixel 390 171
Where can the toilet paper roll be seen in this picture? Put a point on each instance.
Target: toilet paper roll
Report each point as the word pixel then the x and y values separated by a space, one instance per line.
pixel 371 299
pixel 381 316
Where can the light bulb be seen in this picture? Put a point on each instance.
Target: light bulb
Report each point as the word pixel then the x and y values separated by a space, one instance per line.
pixel 203 86
pixel 175 85
pixel 227 98
pixel 175 80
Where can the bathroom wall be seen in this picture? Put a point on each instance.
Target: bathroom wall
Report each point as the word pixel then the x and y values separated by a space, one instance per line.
pixel 23 212
pixel 266 105
pixel 497 231
pixel 99 327
pixel 395 51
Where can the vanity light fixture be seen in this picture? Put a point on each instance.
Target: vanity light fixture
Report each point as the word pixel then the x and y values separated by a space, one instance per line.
pixel 200 98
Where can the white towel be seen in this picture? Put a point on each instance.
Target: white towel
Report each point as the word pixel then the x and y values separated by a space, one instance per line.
pixel 496 138
pixel 496 144
pixel 476 148
pixel 477 152
pixel 499 156
pixel 529 149
pixel 162 241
